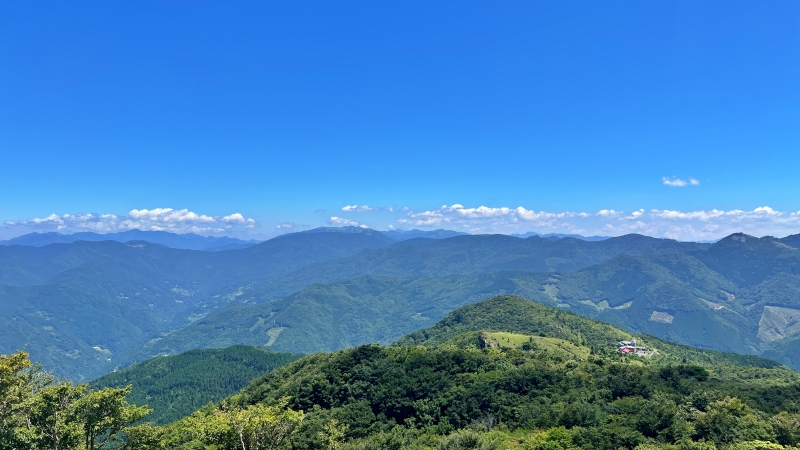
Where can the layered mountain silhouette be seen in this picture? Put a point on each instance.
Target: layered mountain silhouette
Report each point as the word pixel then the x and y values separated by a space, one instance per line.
pixel 90 307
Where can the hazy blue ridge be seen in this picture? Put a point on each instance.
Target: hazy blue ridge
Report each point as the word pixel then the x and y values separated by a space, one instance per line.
pixel 187 241
pixel 90 307
pixel 80 308
pixel 674 296
pixel 559 236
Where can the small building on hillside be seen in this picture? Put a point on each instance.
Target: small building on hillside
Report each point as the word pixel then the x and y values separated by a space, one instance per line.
pixel 627 347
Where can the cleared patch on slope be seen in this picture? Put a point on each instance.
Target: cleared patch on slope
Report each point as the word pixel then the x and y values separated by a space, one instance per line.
pixel 777 323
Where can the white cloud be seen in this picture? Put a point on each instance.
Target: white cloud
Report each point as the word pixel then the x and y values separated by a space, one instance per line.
pixel 290 226
pixel 484 218
pixel 340 221
pixel 677 182
pixel 169 215
pixel 158 219
pixel 319 211
pixel 683 225
pixel 635 215
pixel 366 208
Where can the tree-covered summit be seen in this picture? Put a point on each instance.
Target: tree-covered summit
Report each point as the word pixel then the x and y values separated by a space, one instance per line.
pixel 507 373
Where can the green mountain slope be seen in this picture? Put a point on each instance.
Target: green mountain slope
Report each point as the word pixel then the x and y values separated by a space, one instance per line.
pixel 175 386
pixel 566 373
pixel 104 305
pixel 29 266
pixel 345 314
pixel 742 295
pixel 84 307
pixel 674 296
pixel 462 255
pixel 517 315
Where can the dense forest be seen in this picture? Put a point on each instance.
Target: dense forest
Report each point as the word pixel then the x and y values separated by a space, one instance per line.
pixel 505 373
pixel 175 386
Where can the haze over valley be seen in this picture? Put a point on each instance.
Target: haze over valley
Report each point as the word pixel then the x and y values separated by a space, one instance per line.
pixel 328 289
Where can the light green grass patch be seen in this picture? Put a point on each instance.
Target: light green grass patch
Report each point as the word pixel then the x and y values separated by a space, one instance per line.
pixel 555 345
pixel 273 334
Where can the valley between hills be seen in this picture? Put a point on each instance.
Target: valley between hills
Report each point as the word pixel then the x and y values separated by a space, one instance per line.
pixel 87 308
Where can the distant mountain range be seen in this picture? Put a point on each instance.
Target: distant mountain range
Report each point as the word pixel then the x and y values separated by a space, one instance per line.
pixel 741 294
pixel 402 235
pixel 188 241
pixel 560 236
pixel 89 307
pixel 191 241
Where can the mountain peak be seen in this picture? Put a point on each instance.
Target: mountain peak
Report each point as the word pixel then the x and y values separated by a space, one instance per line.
pixel 738 240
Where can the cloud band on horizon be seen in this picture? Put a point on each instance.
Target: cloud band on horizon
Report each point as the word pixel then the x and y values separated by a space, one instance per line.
pixel 157 219
pixel 693 225
pixel 683 225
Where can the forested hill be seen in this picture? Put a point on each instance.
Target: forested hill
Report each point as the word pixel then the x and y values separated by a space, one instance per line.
pixel 130 294
pixel 517 315
pixel 535 378
pixel 175 386
pixel 502 374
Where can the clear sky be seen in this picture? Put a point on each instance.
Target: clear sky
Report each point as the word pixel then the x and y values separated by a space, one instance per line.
pixel 278 111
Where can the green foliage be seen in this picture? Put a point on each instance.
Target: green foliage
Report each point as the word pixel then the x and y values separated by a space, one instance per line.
pixel 518 315
pixel 560 377
pixel 553 439
pixel 18 381
pixel 467 440
pixel 104 413
pixel 55 415
pixel 36 412
pixel 175 386
pixel 787 428
pixel 444 389
pixel 333 434
pixel 343 314
pixel 755 445
pixel 254 427
pixel 731 420
pixel 145 437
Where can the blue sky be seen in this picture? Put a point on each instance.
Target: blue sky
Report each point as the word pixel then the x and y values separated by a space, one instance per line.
pixel 276 110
